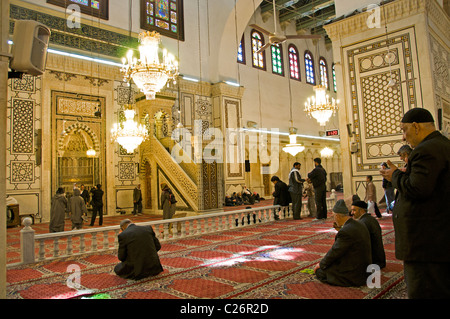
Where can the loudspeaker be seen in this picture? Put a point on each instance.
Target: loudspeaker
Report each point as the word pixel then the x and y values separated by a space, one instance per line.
pixel 349 130
pixel 29 49
pixel 247 165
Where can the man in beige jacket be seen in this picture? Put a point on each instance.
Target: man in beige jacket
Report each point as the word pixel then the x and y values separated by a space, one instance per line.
pixel 371 195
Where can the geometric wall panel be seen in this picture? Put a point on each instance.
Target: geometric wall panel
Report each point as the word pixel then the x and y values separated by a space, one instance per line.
pixel 376 108
pixel 25 84
pixel 22 126
pixel 382 106
pixel 127 171
pixel 22 172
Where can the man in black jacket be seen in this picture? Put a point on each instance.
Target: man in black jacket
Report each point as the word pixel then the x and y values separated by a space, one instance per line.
pixel 318 177
pixel 421 213
pixel 359 212
pixel 296 190
pixel 281 195
pixel 97 204
pixel 345 264
pixel 138 252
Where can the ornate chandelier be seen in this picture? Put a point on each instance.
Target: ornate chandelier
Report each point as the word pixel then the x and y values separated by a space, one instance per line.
pixel 320 106
pixel 293 148
pixel 326 152
pixel 153 69
pixel 130 135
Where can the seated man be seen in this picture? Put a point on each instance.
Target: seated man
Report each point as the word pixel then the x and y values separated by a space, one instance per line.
pixel 346 262
pixel 247 196
pixel 359 212
pixel 138 252
pixel 229 201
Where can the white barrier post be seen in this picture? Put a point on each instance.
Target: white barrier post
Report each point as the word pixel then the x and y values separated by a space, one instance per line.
pixel 27 242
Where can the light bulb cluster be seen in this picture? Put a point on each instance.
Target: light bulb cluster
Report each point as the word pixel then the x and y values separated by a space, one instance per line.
pixel 129 134
pixel 321 106
pixel 153 69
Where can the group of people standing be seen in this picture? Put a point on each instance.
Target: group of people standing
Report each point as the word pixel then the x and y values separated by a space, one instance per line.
pixel 313 186
pixel 76 207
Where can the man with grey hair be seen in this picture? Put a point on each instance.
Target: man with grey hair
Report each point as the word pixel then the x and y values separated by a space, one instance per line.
pixel 138 252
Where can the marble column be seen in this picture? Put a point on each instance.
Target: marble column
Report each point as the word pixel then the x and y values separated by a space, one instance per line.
pixel 4 62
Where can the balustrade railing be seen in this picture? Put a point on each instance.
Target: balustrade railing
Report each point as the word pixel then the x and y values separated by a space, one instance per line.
pixel 41 247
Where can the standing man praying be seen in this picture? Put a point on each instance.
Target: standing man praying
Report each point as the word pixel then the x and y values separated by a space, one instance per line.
pixel 421 213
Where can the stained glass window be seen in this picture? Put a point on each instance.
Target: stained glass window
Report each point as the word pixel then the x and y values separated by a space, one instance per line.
pixel 163 16
pixel 241 51
pixel 96 8
pixel 334 78
pixel 294 67
pixel 323 72
pixel 259 59
pixel 277 59
pixel 309 66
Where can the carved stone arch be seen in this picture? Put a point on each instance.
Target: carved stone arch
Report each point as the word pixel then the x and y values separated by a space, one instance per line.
pixel 145 166
pixel 162 121
pixel 85 128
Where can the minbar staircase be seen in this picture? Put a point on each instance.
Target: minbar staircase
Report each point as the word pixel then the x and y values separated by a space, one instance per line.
pixel 186 184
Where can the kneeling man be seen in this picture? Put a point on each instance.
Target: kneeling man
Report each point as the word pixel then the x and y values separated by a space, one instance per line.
pixel 138 252
pixel 346 262
pixel 359 212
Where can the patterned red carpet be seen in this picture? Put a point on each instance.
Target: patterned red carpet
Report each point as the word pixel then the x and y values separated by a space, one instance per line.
pixel 270 261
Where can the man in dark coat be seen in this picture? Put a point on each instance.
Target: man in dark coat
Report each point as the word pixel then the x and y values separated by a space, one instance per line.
pixel 77 208
pixel 137 200
pixel 138 252
pixel 296 190
pixel 97 204
pixel 346 262
pixel 318 177
pixel 421 213
pixel 84 194
pixel 359 212
pixel 281 195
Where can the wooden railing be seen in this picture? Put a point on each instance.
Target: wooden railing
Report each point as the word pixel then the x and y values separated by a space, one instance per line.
pixel 36 248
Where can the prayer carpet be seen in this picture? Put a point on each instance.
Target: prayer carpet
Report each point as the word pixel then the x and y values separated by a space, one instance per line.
pixel 268 261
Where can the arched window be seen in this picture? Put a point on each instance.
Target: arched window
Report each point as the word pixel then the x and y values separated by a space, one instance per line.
pixel 259 59
pixel 163 16
pixel 277 59
pixel 323 72
pixel 294 67
pixel 334 78
pixel 309 66
pixel 241 51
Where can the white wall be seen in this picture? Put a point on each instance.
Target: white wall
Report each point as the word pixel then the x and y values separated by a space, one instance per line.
pixel 213 29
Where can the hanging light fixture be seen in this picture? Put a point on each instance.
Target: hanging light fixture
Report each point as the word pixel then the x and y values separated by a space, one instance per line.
pixel 320 106
pixel 153 69
pixel 91 152
pixel 293 148
pixel 326 152
pixel 129 134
